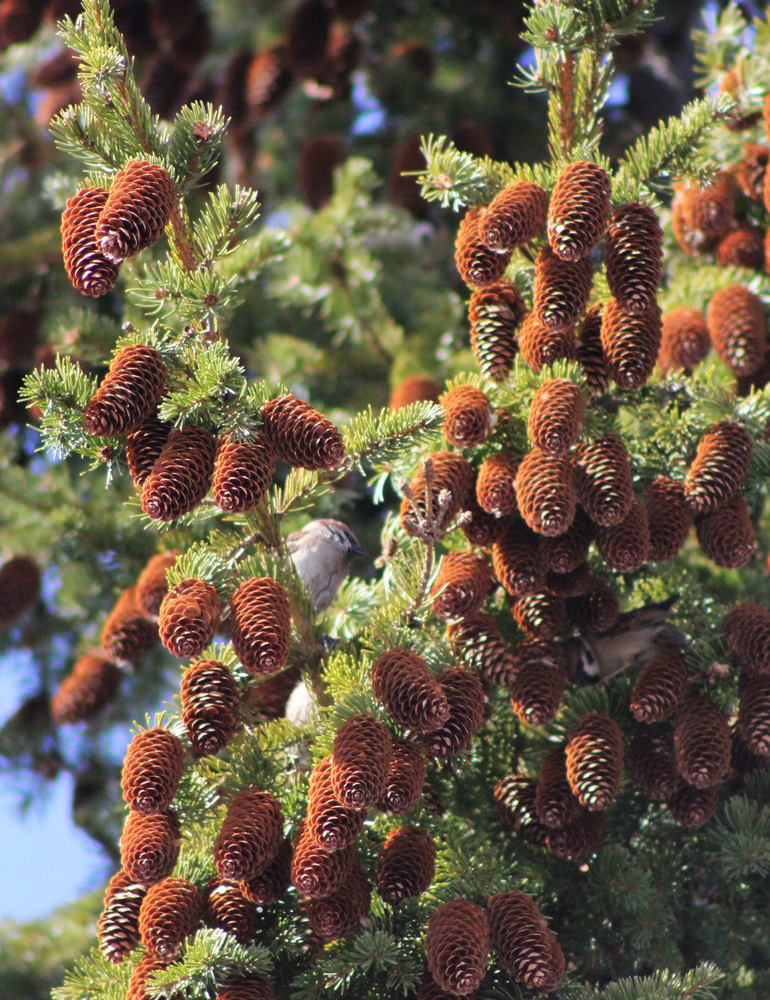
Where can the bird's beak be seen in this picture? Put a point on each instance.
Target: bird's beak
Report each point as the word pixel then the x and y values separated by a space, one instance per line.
pixel 356 550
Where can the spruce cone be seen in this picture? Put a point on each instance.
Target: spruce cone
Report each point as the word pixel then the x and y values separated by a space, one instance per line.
pixel 250 837
pixel 242 472
pixel 693 807
pixel 568 551
pixel 516 560
pixel 685 340
pixel 720 465
pixel 331 825
pixel 406 866
pixel 652 766
pixel 268 80
pixel 413 389
pixel 84 692
pixel 127 634
pixel 450 472
pixel 136 211
pixel 19 588
pixel 143 448
pixel 626 546
pixel 727 535
pixel 457 944
pixel 555 804
pixel 630 341
pixel 743 247
pixel 747 629
pixel 483 648
pixel 562 289
pixel 538 685
pixel 465 696
pixel 596 610
pixel 188 618
pixel 556 416
pixel 668 517
pixel 253 988
pixel 494 313
pixel 700 218
pixel 128 393
pixel 307 37
pixel 228 909
pixel 760 378
pixel 149 846
pixel 181 475
pixel 515 800
pixel 476 264
pixel 359 764
pixel 571 584
pixel 271 884
pixel 261 625
pixel 595 760
pixel 750 172
pixel 318 159
pixel 412 696
pixel 90 272
pixel 580 839
pixel 542 345
pixel 268 697
pixel 170 912
pixel 136 986
pixel 118 924
pixel 527 949
pixel 302 435
pixel 496 484
pixel 151 587
pixel 634 256
pixel 545 491
pixel 339 914
pixel 660 687
pixel 754 714
pixel 702 743
pixel 603 479
pixel 152 768
pixel 479 527
pixel 539 615
pixel 590 353
pixel 736 323
pixel 579 210
pixel 468 416
pixel 404 780
pixel 461 586
pixel 513 217
pixel 315 872
pixel 210 702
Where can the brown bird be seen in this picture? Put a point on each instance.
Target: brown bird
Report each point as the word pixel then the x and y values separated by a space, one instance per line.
pixel 321 553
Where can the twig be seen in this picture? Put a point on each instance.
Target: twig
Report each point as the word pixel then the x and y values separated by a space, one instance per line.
pixel 567 103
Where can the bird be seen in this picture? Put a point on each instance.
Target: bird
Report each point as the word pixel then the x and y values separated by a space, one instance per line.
pixel 322 552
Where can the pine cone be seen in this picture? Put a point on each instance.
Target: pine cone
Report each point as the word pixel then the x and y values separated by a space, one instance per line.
pixel 590 353
pixel 181 475
pixel 545 491
pixel 210 702
pixel 403 186
pixel 668 517
pixel 92 683
pixel 315 872
pixel 457 944
pixel 736 323
pixel 626 546
pixel 413 389
pixel 495 484
pixel 137 210
pixel 465 696
pixel 188 618
pixel 411 694
pixel 127 635
pixel 515 800
pixel 483 649
pixel 19 588
pixel 727 535
pixel 268 80
pixel 261 625
pixel 513 217
pixel 450 472
pixel 359 764
pixel 685 340
pixel 747 629
pixel 652 766
pixel 476 264
pixel 271 884
pixel 542 345
pixel 580 839
pixel 750 172
pixel 128 393
pixel 693 807
pixel 596 610
pixel 660 687
pixel 702 743
pixel 136 987
pixel 318 159
pixel 404 780
pixel 754 714
pixel 151 587
pixel 700 218
pixel 568 551
pixel 242 472
pixel 555 804
pixel 149 846
pixel 19 338
pixel 516 560
pixel 630 341
pixel 494 313
pixel 760 378
pixel 143 448
pixel 332 826
pixel 90 272
pixel 406 866
pixel 479 527
pixel 302 435
pixel 253 988
pixel 339 914
pixel 572 584
pixel 118 924
pixel 634 256
pixel 468 416
pixel 170 912
pixel 540 615
pixel 538 685
pixel 579 210
pixel 562 289
pixel 307 37
pixel 461 586
pixel 152 767
pixel 603 479
pixel 556 416
pixel 250 836
pixel 720 465
pixel 268 697
pixel 527 949
pixel 595 760
pixel 428 990
pixel 743 247
pixel 228 909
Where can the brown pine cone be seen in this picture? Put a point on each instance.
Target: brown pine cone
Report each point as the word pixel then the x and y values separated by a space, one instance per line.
pixel 118 924
pixel 626 546
pixel 760 378
pixel 736 323
pixel 404 780
pixel 359 763
pixel 556 416
pixel 494 313
pixel 339 914
pixel 603 479
pixel 171 911
pixel 332 826
pixel 461 586
pixel 18 21
pixel 479 527
pixel 538 685
pixel 403 185
pixel 540 615
pixel 137 210
pixel 143 448
pixel 652 766
pixel 750 172
pixel 268 80
pixel 572 584
pixel 668 517
pixel 595 760
pixel 253 988
pixel 660 687
pixel 630 341
pixel 590 353
pixel 242 472
pixel 250 836
pixel 562 289
pixel 268 697
pixel 307 37
pixel 411 694
pixel 19 588
pixel 700 217
pixel 128 393
pixel 210 702
pixel 413 389
pixel 478 640
pixel 702 743
pixel 555 804
pixel 477 265
pixel 495 484
pixel 579 210
pixel 229 910
pixel 90 272
pixel 568 551
pixel 273 883
pixel 513 217
pixel 188 618
pixel 742 761
pixel 181 475
pixel 596 610
pixel 450 472
pixel 580 839
pixel 634 256
pixel 542 345
pixel 754 714
pixel 457 944
pixel 747 630
pixel 19 342
pixel 545 491
pixel 468 416
pixel 465 696
pixel 743 247
pixel 727 535
pixel 151 587
pixel 127 634
pixel 261 625
pixel 515 800
pixel 152 767
pixel 720 465
pixel 516 560
pixel 136 986
pixel 406 866
pixel 693 807
pixel 685 340
pixel 319 157
pixel 527 949
pixel 315 872
pixel 303 436
pixel 149 846
pixel 91 684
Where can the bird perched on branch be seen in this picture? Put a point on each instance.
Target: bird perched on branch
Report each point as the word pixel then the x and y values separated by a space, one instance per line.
pixel 321 553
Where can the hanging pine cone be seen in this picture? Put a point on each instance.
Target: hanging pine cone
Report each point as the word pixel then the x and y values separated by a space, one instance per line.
pixel 556 416
pixel 92 683
pixel 411 694
pixel 527 949
pixel 542 345
pixel 743 247
pixel 136 211
pixel 693 807
pixel 634 256
pixel 579 209
pixel 181 475
pixel 562 289
pixel 596 610
pixel 468 416
pixel 406 866
pixel 19 588
pixel 152 768
pixel 151 587
pixel 268 80
pixel 465 696
pixel 595 760
pixel 315 872
pixel 720 465
pixel 483 649
pixel 702 743
pixel 750 172
pixel 540 615
pixel 339 914
pixel 457 944
pixel 318 159
pixel 143 448
pixel 229 910
pixel 413 389
pixel 516 560
pixel 603 479
pixel 261 625
pixel 170 912
pixel 188 618
pixel 700 217
pixel 127 634
pixel 685 340
pixel 736 323
pixel 136 987
pixel 580 839
pixel 90 272
pixel 250 836
pixel 760 378
pixel 727 535
pixel 149 846
pixel 479 527
pixel 242 472
pixel 555 804
pixel 545 491
pixel 359 764
pixel 754 714
pixel 668 517
pixel 403 185
pixel 626 546
pixel 630 341
pixel 128 393
pixel 660 687
pixel 571 584
pixel 303 436
pixel 590 353
pixel 451 472
pixel 332 825
pixel 652 766
pixel 253 988
pixel 742 761
pixel 495 484
pixel 568 551
pixel 538 686
pixel 118 924
pixel 428 990
pixel 747 629
pixel 494 313
pixel 515 800
pixel 513 217
pixel 477 265
pixel 209 700
pixel 271 884
pixel 461 586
